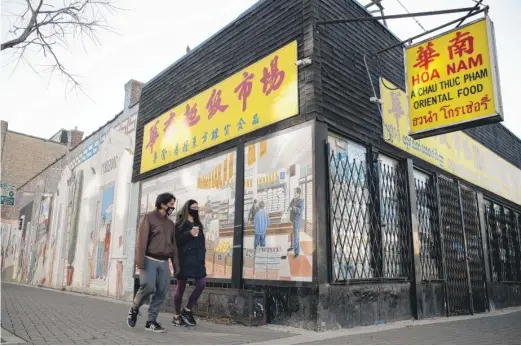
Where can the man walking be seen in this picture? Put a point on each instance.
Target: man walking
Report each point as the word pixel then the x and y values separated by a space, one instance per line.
pixel 155 245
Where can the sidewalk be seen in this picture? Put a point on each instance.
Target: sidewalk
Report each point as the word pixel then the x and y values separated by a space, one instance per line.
pixel 43 316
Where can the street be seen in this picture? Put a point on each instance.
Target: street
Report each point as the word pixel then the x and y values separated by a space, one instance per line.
pixel 42 316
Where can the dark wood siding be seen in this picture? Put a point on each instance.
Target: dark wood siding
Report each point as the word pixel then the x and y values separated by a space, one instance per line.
pixel 346 86
pixel 264 28
pixel 335 88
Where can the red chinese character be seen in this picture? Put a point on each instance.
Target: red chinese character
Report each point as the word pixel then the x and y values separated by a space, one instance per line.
pixel 214 104
pixel 462 43
pixel 244 89
pixel 426 55
pixel 191 116
pixel 169 121
pixel 273 79
pixel 154 135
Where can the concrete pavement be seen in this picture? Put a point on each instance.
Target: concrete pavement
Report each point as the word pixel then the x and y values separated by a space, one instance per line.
pixel 43 316
pixel 33 315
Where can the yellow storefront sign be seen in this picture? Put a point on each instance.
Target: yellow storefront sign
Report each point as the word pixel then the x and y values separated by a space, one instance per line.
pixel 259 95
pixel 452 81
pixel 455 152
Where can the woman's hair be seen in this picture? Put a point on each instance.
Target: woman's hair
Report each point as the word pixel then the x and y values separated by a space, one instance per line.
pixel 182 216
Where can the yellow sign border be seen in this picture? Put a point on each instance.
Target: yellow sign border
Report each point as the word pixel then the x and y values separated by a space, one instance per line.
pixel 493 117
pixel 495 178
pixel 273 96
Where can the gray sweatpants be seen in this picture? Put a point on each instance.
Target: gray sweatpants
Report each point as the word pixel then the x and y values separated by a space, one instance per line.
pixel 154 279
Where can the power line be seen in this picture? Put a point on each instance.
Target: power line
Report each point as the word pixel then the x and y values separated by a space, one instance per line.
pixel 406 10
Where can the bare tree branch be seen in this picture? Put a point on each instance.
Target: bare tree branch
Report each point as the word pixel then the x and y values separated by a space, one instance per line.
pixel 46 27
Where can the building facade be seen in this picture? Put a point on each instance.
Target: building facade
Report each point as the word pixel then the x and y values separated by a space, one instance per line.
pixel 74 231
pixel 319 211
pixel 24 156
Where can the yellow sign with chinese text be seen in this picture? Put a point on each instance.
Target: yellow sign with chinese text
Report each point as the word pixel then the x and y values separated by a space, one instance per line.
pixel 452 81
pixel 259 95
pixel 455 152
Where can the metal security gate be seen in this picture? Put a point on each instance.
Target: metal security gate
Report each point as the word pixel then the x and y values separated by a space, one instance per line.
pixel 465 277
pixel 474 249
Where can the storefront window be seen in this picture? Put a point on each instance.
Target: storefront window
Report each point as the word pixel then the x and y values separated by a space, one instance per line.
pixel 349 210
pixel 393 199
pixel 278 207
pixel 211 183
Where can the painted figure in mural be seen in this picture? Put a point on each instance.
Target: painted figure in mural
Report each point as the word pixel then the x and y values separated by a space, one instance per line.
pixel 92 246
pixel 34 259
pixel 119 279
pixel 99 250
pixel 207 213
pixel 262 222
pixel 254 209
pixel 295 216
pixel 155 245
pixel 106 249
pixel 51 260
pixel 192 253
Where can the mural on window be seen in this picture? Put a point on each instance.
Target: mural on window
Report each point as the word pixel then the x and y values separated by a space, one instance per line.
pixel 278 207
pixel 350 211
pixel 211 183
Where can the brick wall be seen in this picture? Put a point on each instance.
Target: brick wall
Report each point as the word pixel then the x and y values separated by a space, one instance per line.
pixel 132 93
pixel 23 157
pixel 76 138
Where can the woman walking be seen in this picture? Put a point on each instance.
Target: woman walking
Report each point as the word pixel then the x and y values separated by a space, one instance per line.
pixel 192 251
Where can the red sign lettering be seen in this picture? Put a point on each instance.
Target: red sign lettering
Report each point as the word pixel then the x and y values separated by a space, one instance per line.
pixel 462 43
pixel 214 104
pixel 244 89
pixel 191 116
pixel 169 121
pixel 154 135
pixel 426 55
pixel 272 79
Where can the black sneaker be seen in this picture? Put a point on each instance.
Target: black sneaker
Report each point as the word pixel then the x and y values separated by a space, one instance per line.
pixel 178 321
pixel 153 326
pixel 132 317
pixel 188 317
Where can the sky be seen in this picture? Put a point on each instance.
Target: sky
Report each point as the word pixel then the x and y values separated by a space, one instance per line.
pixel 151 35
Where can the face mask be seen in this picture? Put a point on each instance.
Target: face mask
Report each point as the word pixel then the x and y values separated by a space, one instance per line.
pixel 169 211
pixel 194 213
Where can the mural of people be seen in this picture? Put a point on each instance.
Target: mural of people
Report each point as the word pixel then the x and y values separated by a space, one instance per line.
pixel 262 222
pixel 94 237
pixel 278 209
pixel 104 234
pixel 106 250
pixel 295 216
pixel 99 249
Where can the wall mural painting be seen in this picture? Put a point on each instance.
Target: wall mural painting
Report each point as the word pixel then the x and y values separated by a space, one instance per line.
pixel 74 225
pixel 38 261
pixel 100 238
pixel 21 255
pixel 52 242
pixel 10 245
pixel 211 182
pixel 278 207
